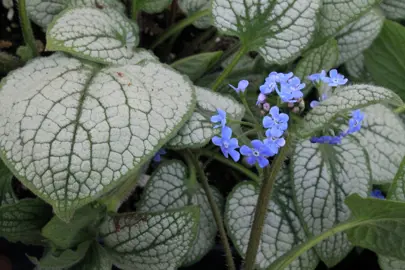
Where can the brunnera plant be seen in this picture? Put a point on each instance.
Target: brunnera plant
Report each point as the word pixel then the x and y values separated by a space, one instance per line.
pixel 84 126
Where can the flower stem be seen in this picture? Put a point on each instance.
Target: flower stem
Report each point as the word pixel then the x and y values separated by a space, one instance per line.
pixel 134 9
pixel 180 26
pixel 266 189
pixel 26 28
pixel 216 212
pixel 232 121
pixel 400 110
pixel 228 69
pixel 230 163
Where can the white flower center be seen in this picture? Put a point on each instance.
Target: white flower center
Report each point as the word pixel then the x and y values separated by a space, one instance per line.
pixel 256 153
pixel 226 144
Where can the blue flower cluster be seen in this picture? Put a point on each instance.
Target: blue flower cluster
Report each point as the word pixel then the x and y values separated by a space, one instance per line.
pixel 335 79
pixel 287 86
pixel 260 151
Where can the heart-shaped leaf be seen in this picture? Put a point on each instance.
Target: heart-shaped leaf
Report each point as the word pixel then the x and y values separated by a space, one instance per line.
pixel 104 36
pixel 96 259
pixel 150 241
pixel 381 136
pixel 195 66
pixel 282 228
pixel 190 7
pixel 383 227
pixel 335 15
pixel 42 12
pixel 323 176
pixel 393 9
pixel 344 100
pixel 72 132
pixel 321 58
pixel 279 31
pixel 170 187
pixel 385 58
pixel 199 130
pixel 359 35
pixel 7 195
pixel 22 221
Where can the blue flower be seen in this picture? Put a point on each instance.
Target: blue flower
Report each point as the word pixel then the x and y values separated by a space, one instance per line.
pixel 227 144
pixel 376 193
pixel 257 154
pixel 219 118
pixel 327 139
pixel 270 83
pixel 283 78
pixel 317 77
pixel 315 103
pixel 242 85
pixel 277 123
pixel 157 157
pixel 274 143
pixel 355 121
pixel 291 90
pixel 335 78
pixel 261 98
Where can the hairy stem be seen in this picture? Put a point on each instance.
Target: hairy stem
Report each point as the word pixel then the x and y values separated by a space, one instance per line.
pixel 216 212
pixel 26 28
pixel 229 68
pixel 180 26
pixel 230 163
pixel 266 189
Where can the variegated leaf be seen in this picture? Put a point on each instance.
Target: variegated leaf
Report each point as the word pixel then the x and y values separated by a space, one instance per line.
pixel 104 36
pixel 7 195
pixel 282 228
pixel 199 130
pixel 356 69
pixel 150 241
pixel 359 35
pixel 42 12
pixel 71 131
pixel 96 258
pixel 388 263
pixel 170 187
pixel 344 100
pixel 323 176
pixel 335 15
pixel 278 30
pixel 192 6
pixel 393 9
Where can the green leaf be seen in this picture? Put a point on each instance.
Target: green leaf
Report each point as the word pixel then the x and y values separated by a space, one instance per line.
pixel 189 7
pixel 79 229
pixel 7 195
pixel 62 259
pixel 385 58
pixel 282 228
pixel 23 221
pixel 151 241
pixel 199 130
pixel 195 66
pixel 170 188
pixel 335 15
pixel 152 6
pixel 393 9
pixel 105 36
pixel 279 31
pixel 383 228
pixel 96 259
pixel 344 100
pixel 381 136
pixel 323 176
pixel 390 263
pixel 357 36
pixel 42 12
pixel 72 132
pixel 321 58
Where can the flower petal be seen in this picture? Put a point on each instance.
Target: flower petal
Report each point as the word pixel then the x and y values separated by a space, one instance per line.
pixel 226 132
pixel 245 150
pixel 235 155
pixel 263 162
